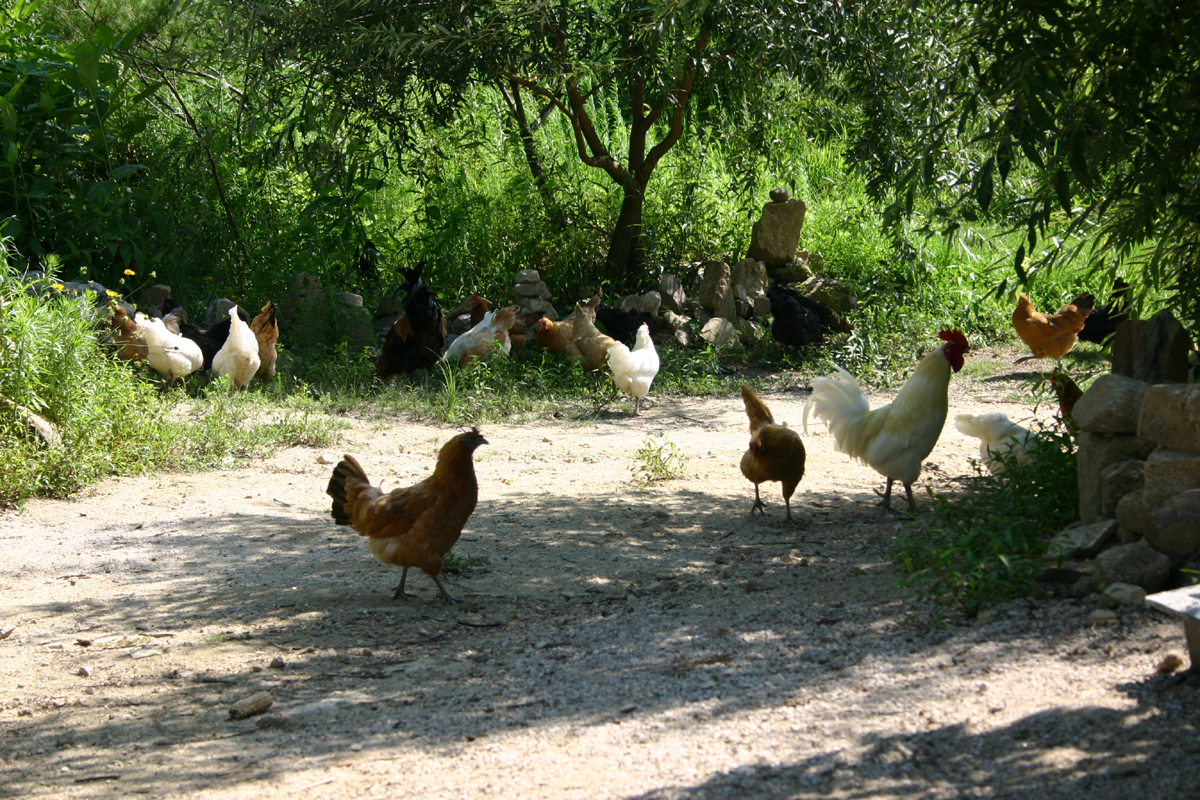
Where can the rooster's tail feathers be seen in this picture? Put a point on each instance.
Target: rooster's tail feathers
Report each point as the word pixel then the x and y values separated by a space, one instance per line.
pixel 346 469
pixel 836 399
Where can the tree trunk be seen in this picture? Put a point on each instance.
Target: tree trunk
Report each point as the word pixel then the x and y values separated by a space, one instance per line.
pixel 626 262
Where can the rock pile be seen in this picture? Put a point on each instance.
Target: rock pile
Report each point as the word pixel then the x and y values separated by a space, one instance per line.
pixel 533 298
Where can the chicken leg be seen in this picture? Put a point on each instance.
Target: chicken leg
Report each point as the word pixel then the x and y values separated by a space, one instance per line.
pixel 401 594
pixel 887 496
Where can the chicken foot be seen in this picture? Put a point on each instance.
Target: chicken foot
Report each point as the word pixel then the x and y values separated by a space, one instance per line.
pixel 759 505
pixel 887 496
pixel 401 594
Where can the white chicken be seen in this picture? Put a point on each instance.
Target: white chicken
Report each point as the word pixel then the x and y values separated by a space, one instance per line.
pixel 172 355
pixel 478 341
pixel 634 370
pixel 893 439
pixel 998 436
pixel 238 357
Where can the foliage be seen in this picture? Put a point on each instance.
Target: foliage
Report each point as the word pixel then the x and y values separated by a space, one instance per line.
pixel 69 183
pixel 1076 124
pixel 976 550
pixel 657 460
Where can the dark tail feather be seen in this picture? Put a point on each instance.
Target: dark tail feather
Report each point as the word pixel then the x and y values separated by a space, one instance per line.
pixel 347 468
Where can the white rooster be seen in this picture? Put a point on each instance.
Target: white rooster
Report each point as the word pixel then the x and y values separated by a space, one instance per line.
pixel 478 341
pixel 172 355
pixel 634 370
pixel 998 436
pixel 238 357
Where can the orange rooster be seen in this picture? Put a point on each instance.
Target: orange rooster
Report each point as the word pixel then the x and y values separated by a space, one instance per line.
pixel 576 336
pixel 266 331
pixel 776 452
pixel 131 346
pixel 516 334
pixel 1051 335
pixel 418 525
pixel 893 439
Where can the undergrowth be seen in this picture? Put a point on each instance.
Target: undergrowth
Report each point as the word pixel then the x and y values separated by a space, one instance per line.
pixel 976 550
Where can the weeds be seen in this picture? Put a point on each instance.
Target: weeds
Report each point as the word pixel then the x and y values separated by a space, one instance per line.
pixel 657 460
pixel 979 549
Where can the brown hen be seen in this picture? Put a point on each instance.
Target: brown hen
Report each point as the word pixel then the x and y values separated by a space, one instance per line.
pixel 1051 335
pixel 776 452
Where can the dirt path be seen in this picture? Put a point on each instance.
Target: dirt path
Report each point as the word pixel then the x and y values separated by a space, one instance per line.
pixel 618 642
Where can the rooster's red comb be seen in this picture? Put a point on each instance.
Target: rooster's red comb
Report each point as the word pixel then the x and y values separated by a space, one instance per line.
pixel 956 337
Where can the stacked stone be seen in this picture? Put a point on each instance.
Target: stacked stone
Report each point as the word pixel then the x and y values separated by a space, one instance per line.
pixel 533 298
pixel 1138 465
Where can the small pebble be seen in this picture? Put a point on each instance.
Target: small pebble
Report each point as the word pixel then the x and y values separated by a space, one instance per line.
pixel 276 663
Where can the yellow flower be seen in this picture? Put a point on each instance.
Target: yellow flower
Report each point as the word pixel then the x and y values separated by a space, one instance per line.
pixel 130 272
pixel 58 287
pixel 209 278
pixel 111 293
pixel 153 274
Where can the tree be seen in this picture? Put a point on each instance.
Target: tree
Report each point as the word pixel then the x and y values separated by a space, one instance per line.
pixel 1084 115
pixel 402 66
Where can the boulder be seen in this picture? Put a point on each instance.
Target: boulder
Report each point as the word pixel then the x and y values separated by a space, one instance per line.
pixel 154 295
pixel 715 292
pixel 1153 350
pixel 1133 517
pixel 761 307
pixel 1177 526
pixel 1118 480
pixel 527 276
pixel 45 431
pixel 1095 452
pixel 830 292
pixel 718 331
pixel 306 313
pixel 538 289
pixel 750 277
pixel 1082 541
pixel 631 302
pixel 671 292
pixel 1112 404
pixel 349 299
pixel 355 326
pixel 651 302
pixel 1167 473
pixel 796 270
pixel 1134 564
pixel 218 310
pixel 1170 416
pixel 1123 594
pixel 774 237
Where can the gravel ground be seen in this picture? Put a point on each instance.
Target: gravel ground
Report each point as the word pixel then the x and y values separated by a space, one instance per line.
pixel 617 641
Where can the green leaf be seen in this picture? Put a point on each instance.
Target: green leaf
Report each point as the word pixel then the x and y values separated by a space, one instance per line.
pixel 124 171
pixel 1019 264
pixel 1062 187
pixel 984 187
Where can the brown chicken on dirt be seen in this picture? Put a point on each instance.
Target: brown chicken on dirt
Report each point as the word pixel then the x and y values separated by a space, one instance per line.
pixel 415 526
pixel 776 452
pixel 1051 335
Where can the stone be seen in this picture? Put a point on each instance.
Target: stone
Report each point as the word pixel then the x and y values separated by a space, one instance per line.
pixel 218 310
pixel 1167 473
pixel 1113 404
pixel 774 237
pixel 37 425
pixel 391 306
pixel 631 302
pixel 533 308
pixel 830 292
pixel 354 325
pixel 760 307
pixel 1123 594
pixel 715 292
pixel 718 331
pixel 154 295
pixel 349 299
pixel 1170 416
pixel 253 705
pixel 750 277
pixel 780 195
pixel 1135 564
pixel 651 302
pixel 1133 516
pixel 1118 480
pixel 527 276
pixel 671 291
pixel 538 289
pixel 1082 541
pixel 1153 350
pixel 459 324
pixel 796 270
pixel 306 313
pixel 1095 452
pixel 1177 526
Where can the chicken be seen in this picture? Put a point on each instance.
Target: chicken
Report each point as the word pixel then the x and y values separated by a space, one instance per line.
pixel 893 439
pixel 559 337
pixel 634 370
pixel 171 355
pixel 999 437
pixel 798 320
pixel 1102 323
pixel 266 330
pixel 414 526
pixel 776 452
pixel 1068 393
pixel 478 341
pixel 238 357
pixel 516 334
pixel 622 325
pixel 1051 335
pixel 131 346
pixel 210 341
pixel 415 340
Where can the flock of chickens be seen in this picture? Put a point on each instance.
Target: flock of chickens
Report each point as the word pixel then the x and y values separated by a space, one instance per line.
pixel 176 348
pixel 417 526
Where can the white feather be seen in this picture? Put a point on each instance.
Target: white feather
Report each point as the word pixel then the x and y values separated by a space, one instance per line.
pixel 238 357
pixel 171 355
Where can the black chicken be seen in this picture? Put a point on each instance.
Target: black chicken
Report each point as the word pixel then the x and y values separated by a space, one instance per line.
pixel 623 325
pixel 794 322
pixel 415 340
pixel 1102 322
